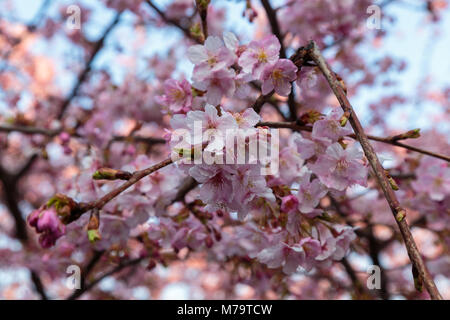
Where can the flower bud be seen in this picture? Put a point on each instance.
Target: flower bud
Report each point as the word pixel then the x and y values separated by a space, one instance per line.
pixel 289 204
pixel 111 174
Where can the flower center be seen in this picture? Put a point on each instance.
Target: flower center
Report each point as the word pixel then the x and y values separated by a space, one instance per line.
pixel 342 165
pixel 262 56
pixel 212 61
pixel 277 75
pixel 438 182
pixel 177 94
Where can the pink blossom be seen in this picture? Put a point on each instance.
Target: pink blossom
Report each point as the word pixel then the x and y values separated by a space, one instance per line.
pixel 248 185
pixel 433 177
pixel 191 238
pixel 216 184
pixel 177 95
pixel 289 204
pixel 308 148
pixel 211 121
pixel 243 88
pixel 309 194
pixel 217 83
pixel 340 168
pixel 47 223
pixel 330 127
pixel 247 119
pixel 259 54
pixel 278 77
pixel 211 56
pixel 344 236
pixel 290 257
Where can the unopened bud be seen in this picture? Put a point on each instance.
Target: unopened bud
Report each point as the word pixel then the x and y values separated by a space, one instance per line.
pixel 197 33
pixel 64 207
pixel 392 182
pixel 401 214
pixel 151 265
pixel 202 4
pixel 411 134
pixel 111 174
pixel 209 242
pixel 94 235
pixel 344 118
pixel 93 226
pixel 310 116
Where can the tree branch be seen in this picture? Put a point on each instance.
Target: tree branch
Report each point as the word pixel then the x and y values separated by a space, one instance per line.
pixel 38 285
pixel 83 75
pixel 389 194
pixel 296 127
pixel 76 294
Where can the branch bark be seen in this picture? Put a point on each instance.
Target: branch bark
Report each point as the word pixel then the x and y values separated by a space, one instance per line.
pixel 397 210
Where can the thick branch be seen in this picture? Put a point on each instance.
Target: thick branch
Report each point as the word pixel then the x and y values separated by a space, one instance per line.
pixel 390 196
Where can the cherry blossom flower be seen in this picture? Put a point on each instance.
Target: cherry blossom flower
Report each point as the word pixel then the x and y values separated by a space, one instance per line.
pixel 177 95
pixel 330 127
pixel 217 83
pixel 308 148
pixel 211 56
pixel 216 184
pixel 47 223
pixel 247 119
pixel 340 168
pixel 433 177
pixel 278 77
pixel 259 54
pixel 289 204
pixel 248 185
pixel 291 256
pixel 310 193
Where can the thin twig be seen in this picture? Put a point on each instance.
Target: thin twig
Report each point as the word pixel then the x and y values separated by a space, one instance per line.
pixel 83 75
pixel 76 294
pixel 137 175
pixel 388 140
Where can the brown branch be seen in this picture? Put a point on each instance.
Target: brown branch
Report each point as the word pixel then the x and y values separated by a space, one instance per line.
pixel 374 252
pixel 173 22
pixel 38 285
pixel 83 75
pixel 397 210
pixel 137 175
pixel 91 264
pixel 76 294
pixel 275 26
pixel 357 285
pixel 52 133
pixel 272 17
pixel 28 130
